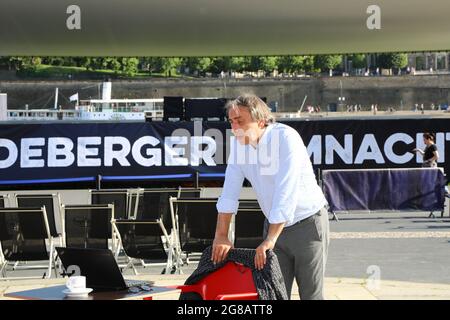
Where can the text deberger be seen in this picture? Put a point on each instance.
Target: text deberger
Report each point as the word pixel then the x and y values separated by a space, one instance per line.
pixel 107 151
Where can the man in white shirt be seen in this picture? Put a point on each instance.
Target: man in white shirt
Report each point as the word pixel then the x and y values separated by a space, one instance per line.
pixel 274 159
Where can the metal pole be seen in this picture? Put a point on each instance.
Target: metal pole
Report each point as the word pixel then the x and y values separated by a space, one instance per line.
pixel 196 183
pixel 56 99
pixel 98 182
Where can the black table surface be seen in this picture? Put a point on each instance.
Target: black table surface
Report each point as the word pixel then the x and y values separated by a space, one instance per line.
pixel 56 293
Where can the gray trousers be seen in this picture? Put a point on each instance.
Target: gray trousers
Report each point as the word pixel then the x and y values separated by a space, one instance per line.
pixel 302 251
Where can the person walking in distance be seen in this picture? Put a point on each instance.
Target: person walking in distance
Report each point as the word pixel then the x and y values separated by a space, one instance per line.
pixel 430 153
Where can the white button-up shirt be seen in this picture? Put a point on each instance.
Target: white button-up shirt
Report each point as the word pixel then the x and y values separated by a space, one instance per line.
pixel 280 172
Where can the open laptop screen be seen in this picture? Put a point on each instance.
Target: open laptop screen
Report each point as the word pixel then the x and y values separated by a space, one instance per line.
pixel 97 265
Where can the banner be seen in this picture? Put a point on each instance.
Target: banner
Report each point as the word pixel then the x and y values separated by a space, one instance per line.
pixel 38 151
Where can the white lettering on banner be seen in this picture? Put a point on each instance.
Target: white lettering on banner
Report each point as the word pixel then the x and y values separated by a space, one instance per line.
pixel 440 142
pixel 84 151
pixel 179 150
pixel 173 156
pixel 369 150
pixel 314 149
pixel 389 148
pixel 332 146
pixel 207 154
pixel 120 155
pixel 13 153
pixel 154 155
pixel 61 147
pixel 27 152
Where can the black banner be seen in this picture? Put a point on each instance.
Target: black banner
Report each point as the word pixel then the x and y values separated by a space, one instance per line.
pixel 52 152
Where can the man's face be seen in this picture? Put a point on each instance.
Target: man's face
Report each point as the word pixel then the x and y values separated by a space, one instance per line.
pixel 243 126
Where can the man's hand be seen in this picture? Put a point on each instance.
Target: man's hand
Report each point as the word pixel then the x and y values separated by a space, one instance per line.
pixel 260 256
pixel 221 246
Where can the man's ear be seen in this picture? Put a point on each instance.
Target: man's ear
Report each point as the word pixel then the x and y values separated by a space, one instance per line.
pixel 261 124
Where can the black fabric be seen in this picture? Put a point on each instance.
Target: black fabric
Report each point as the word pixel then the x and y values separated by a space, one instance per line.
pixel 117 198
pixel 205 108
pixel 173 108
pixel 142 240
pixel 88 227
pixel 429 152
pixel 269 281
pixel 32 201
pixel 22 235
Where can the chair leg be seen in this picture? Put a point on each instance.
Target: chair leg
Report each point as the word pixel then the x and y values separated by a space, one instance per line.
pixel 3 269
pixel 431 215
pixel 50 262
pixel 335 217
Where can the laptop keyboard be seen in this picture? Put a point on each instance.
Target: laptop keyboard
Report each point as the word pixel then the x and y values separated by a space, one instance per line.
pixel 138 283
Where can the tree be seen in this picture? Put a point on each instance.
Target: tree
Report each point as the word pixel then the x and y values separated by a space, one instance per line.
pixel 295 64
pixel 392 60
pixel 327 62
pixel 226 64
pixel 358 61
pixel 196 64
pixel 128 66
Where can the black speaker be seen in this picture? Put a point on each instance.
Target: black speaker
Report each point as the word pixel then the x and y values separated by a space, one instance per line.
pixel 205 108
pixel 173 108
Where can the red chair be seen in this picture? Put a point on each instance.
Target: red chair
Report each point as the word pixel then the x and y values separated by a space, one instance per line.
pixel 233 281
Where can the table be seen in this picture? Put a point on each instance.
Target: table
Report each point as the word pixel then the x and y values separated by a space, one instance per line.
pixel 55 293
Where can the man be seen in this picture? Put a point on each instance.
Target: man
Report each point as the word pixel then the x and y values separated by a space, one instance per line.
pixel 287 191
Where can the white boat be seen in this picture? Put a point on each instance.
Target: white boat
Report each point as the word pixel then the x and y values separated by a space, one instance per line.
pixel 105 109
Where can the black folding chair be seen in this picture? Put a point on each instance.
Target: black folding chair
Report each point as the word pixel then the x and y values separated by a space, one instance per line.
pixel 194 221
pixel 248 225
pixel 145 240
pixel 118 197
pixel 49 201
pixel 189 193
pixel 24 236
pixel 89 226
pixel 4 198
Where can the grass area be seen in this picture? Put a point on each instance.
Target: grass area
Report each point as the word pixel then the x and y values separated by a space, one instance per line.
pixel 66 72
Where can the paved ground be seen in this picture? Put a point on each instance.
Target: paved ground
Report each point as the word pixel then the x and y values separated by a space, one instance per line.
pixel 372 256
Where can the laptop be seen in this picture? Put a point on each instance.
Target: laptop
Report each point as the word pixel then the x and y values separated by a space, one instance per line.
pixel 100 269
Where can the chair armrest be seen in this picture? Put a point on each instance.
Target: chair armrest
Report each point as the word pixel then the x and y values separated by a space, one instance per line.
pixel 238 296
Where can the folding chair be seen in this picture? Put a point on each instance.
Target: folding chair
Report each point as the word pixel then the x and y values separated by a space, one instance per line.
pixel 189 193
pixel 4 198
pixel 143 240
pixel 118 197
pixel 194 221
pixel 233 281
pixel 52 204
pixel 24 236
pixel 154 206
pixel 134 198
pixel 89 226
pixel 249 225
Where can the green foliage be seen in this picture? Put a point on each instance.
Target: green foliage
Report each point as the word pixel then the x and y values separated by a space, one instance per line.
pixel 358 61
pixel 295 64
pixel 196 65
pixel 392 60
pixel 327 62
